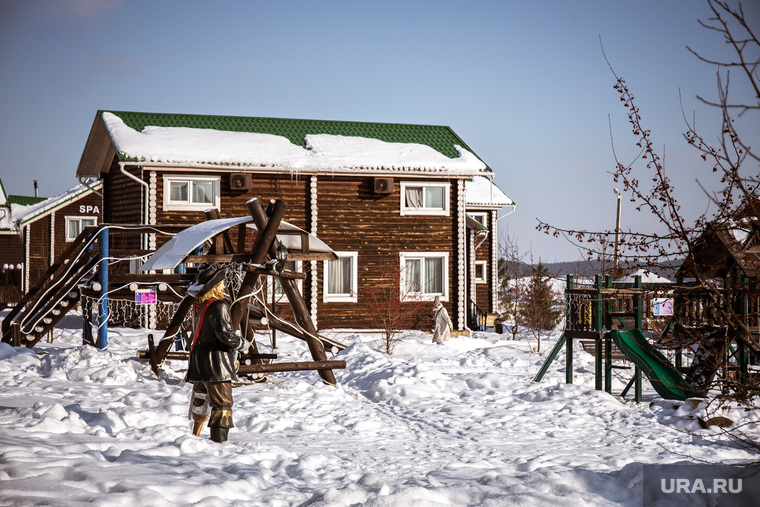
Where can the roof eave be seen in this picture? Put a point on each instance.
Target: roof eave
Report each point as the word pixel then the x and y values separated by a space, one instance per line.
pixel 332 171
pixel 98 152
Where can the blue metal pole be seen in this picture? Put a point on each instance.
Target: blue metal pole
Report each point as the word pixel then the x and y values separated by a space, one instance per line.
pixel 102 342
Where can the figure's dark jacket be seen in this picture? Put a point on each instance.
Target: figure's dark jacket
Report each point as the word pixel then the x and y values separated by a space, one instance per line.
pixel 212 359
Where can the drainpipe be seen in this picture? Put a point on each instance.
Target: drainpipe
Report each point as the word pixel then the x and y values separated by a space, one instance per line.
pixel 514 208
pixel 123 171
pixel 483 235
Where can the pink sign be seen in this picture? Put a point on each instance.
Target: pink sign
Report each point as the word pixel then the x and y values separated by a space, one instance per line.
pixel 145 297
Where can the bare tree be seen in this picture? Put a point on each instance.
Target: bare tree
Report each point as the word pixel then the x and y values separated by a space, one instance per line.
pixel 511 271
pixel 736 202
pixel 732 157
pixel 393 307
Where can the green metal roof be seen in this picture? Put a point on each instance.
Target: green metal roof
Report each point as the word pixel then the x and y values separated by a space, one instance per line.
pixel 440 138
pixel 24 200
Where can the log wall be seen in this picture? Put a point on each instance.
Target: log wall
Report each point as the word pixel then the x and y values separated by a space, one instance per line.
pixel 87 206
pixel 350 218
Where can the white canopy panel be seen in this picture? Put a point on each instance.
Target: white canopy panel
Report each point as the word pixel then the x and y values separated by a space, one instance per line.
pixel 174 251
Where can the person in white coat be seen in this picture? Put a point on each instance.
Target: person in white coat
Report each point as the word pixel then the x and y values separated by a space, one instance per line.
pixel 441 321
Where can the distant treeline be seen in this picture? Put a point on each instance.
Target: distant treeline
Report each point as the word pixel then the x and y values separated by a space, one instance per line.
pixel 587 269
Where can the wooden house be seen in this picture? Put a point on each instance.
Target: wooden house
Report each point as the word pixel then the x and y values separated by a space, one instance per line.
pixel 35 230
pixel 409 205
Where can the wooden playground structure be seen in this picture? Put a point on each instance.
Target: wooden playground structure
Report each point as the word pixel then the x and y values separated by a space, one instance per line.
pixel 256 247
pixel 634 323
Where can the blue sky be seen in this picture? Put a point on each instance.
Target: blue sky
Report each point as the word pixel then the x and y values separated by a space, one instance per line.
pixel 525 84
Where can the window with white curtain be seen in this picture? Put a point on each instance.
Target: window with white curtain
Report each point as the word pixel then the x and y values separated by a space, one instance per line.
pixel 424 275
pixel 191 193
pixel 75 225
pixel 424 198
pixel 341 278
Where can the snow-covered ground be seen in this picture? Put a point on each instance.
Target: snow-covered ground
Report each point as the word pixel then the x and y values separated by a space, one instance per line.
pixel 460 423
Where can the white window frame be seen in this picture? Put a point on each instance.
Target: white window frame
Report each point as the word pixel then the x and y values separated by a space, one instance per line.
pixel 423 296
pixel 77 218
pixel 342 298
pixel 478 215
pixel 484 265
pixel 170 205
pixel 279 298
pixel 406 210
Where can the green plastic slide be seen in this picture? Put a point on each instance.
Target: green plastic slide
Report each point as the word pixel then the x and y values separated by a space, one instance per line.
pixel 665 379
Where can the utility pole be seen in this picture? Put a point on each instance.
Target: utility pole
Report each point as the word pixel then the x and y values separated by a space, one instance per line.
pixel 617 231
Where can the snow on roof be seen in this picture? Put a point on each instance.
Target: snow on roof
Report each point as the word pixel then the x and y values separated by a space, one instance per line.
pixel 646 277
pixel 21 215
pixel 195 146
pixel 482 191
pixel 740 230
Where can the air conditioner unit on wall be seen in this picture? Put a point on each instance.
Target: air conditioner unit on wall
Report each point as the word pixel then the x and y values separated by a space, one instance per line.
pixel 240 181
pixel 383 186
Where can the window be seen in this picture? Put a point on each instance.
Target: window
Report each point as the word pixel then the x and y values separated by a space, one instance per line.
pixel 424 275
pixel 480 216
pixel 75 225
pixel 340 278
pixel 480 271
pixel 424 198
pixel 191 193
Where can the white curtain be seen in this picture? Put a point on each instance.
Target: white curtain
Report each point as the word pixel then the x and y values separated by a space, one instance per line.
pixel 339 279
pixel 203 191
pixel 434 197
pixel 178 191
pixel 74 229
pixel 434 275
pixel 412 275
pixel 413 197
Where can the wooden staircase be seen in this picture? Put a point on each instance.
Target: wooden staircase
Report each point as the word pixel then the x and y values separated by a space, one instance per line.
pixel 57 292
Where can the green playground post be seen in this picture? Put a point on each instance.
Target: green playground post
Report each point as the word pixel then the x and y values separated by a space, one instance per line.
pixel 607 339
pixel 568 325
pixel 549 360
pixel 638 317
pixel 562 341
pixel 597 326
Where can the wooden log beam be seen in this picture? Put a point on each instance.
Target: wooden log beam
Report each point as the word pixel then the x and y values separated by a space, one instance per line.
pixel 294 275
pixel 241 237
pixel 259 251
pixel 222 241
pixel 169 279
pixel 244 257
pixel 167 340
pixel 327 365
pixel 184 356
pixel 297 302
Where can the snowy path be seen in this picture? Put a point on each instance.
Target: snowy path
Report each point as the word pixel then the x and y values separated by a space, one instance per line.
pixel 455 424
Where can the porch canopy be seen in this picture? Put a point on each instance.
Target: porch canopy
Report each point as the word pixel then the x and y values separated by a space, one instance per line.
pixel 174 251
